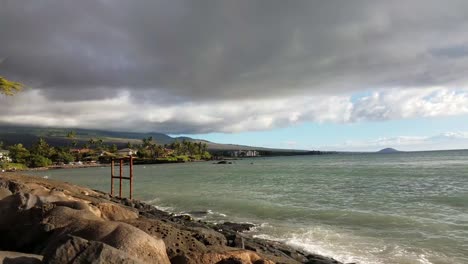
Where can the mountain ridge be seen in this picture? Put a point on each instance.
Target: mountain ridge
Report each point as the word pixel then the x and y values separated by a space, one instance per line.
pixel 28 135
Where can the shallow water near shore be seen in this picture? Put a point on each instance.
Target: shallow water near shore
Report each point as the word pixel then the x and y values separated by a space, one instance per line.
pixel 365 208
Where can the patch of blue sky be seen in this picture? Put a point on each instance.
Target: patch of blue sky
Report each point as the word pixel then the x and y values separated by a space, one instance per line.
pixel 355 97
pixel 311 135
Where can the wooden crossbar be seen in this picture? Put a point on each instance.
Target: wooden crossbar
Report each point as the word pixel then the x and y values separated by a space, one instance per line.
pixel 121 176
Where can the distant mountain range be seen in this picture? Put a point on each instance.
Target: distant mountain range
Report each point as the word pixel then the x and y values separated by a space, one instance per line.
pixel 58 137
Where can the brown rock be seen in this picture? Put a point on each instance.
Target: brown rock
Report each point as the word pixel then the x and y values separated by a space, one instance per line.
pixel 75 250
pixel 4 192
pixel 85 224
pixel 19 258
pixel 115 212
pixel 234 257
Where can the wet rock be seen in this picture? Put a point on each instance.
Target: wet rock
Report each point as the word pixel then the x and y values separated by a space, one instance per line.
pixel 223 162
pixel 235 227
pixel 128 202
pixel 316 259
pixel 182 218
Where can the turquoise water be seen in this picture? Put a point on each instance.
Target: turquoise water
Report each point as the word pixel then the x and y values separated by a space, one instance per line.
pixel 366 208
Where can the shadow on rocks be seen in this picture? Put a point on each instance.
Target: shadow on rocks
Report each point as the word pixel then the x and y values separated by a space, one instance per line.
pixel 21 260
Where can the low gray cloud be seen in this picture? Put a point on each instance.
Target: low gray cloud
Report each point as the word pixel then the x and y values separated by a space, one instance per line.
pixel 174 52
pixel 230 116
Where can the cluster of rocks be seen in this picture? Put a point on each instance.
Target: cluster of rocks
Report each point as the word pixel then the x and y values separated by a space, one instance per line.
pixel 45 221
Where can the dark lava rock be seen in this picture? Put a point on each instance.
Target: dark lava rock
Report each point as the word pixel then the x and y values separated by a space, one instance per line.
pixel 316 259
pixel 223 162
pixel 183 217
pixel 236 227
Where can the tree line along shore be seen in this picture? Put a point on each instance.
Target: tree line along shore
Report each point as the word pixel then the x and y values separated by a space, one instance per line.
pixel 96 152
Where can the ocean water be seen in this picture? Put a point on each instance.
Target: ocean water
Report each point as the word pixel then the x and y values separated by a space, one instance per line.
pixel 364 208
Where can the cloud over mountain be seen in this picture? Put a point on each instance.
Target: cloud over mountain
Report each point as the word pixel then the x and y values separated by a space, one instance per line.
pixel 181 66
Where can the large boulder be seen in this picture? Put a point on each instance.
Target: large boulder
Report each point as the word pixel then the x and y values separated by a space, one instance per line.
pixel 20 229
pixel 179 243
pixel 36 220
pixel 75 250
pixel 13 186
pixel 115 212
pixel 122 236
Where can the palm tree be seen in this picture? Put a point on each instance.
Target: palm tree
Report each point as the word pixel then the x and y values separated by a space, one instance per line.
pixel 150 144
pixel 92 142
pixel 9 88
pixel 100 143
pixel 72 135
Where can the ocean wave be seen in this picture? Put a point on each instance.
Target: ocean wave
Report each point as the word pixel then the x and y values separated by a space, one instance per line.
pixel 207 215
pixel 155 202
pixel 349 248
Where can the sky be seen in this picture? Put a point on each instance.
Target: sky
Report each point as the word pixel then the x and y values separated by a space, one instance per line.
pixel 331 75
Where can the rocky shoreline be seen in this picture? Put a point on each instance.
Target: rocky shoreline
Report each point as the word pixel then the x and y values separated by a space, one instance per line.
pixel 47 221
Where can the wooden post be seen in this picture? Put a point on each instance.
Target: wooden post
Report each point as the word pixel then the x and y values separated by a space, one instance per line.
pixel 112 177
pixel 121 175
pixel 120 179
pixel 131 176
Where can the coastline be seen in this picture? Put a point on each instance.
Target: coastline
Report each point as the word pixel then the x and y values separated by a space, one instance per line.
pixel 64 212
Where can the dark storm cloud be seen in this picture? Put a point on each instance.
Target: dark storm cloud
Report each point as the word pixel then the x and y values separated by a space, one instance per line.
pixel 192 50
pixel 186 66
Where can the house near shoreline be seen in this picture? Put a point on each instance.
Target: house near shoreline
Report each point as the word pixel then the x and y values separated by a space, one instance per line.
pixel 81 151
pixel 243 153
pixel 127 152
pixel 5 156
pixel 165 153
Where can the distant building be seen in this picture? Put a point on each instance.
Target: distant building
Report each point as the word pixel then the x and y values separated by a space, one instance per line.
pixel 166 152
pixel 243 153
pixel 4 156
pixel 127 152
pixel 81 151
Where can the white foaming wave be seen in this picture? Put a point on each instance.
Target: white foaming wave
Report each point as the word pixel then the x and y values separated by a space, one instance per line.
pixel 211 212
pixel 154 202
pixel 327 249
pixel 306 242
pixel 257 227
pixel 348 248
pixel 164 208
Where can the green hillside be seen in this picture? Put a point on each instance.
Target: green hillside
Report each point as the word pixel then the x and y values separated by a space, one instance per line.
pixel 58 137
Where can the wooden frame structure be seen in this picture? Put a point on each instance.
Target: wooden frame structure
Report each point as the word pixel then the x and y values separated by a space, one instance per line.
pixel 121 175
